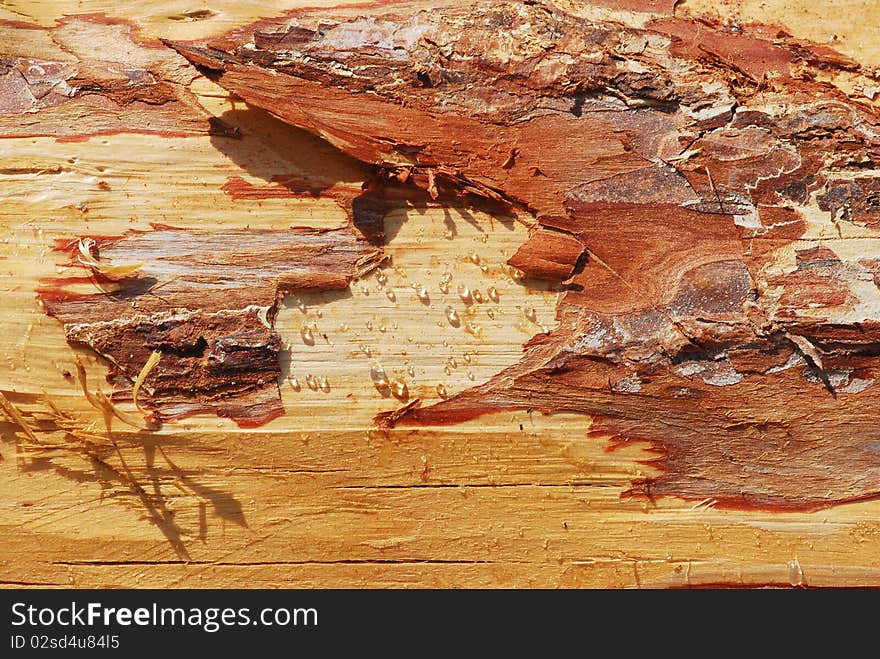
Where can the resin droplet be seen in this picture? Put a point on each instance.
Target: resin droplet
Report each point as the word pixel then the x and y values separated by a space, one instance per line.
pixel 370 325
pixel 795 573
pixel 490 313
pixel 465 294
pixel 452 317
pixel 399 389
pixel 467 358
pixel 410 371
pixel 366 350
pixel 423 296
pixel 470 376
pixel 441 391
pixel 324 384
pixel 474 330
pixel 378 376
pixel 492 292
pixel 307 336
pixel 391 296
pixel 444 286
pixel 475 258
pixel 294 384
pixel 311 382
pixel 381 278
pixel 531 315
pixel 478 297
pixel 453 362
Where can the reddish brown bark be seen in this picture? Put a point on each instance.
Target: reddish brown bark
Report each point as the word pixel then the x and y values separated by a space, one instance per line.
pixel 674 165
pixel 206 301
pixel 126 85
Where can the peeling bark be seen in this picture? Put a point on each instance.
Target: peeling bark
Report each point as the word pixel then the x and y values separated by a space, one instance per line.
pixel 206 300
pixel 77 91
pixel 698 187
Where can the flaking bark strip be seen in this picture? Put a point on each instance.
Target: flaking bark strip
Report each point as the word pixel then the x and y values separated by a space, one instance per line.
pixel 206 300
pixel 699 166
pixel 128 85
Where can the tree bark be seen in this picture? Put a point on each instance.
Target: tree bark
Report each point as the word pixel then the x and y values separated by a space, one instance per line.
pixel 709 177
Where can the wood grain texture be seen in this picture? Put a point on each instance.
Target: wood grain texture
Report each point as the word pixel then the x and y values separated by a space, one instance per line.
pixel 319 497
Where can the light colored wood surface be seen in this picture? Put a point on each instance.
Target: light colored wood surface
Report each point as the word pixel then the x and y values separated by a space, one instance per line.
pixel 318 497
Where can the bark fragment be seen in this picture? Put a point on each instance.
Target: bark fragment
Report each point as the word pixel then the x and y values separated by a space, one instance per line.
pixel 549 255
pixel 75 92
pixel 714 177
pixel 206 300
